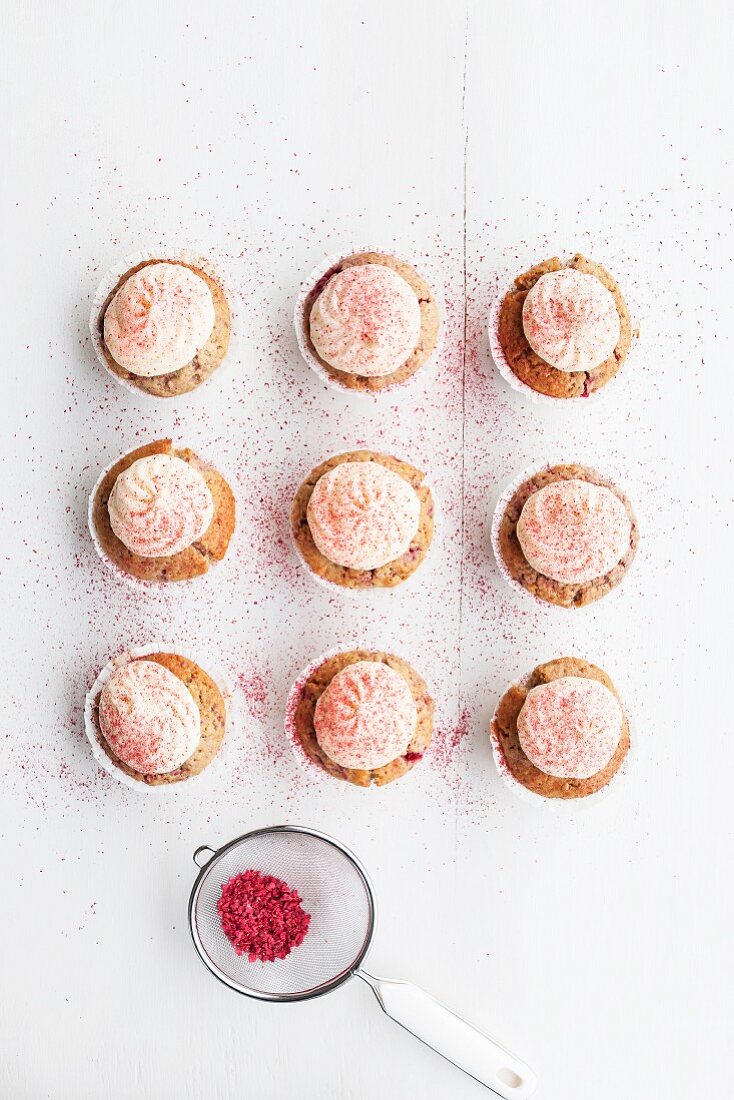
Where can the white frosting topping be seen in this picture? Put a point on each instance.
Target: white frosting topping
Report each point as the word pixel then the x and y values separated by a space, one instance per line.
pixel 363 515
pixel 570 727
pixel 366 717
pixel 366 321
pixel 159 506
pixel 149 717
pixel 571 320
pixel 574 531
pixel 159 319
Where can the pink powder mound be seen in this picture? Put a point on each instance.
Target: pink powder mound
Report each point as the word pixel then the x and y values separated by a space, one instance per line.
pixel 262 916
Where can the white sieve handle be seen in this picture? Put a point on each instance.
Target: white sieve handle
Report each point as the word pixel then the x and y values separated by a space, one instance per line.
pixel 453 1037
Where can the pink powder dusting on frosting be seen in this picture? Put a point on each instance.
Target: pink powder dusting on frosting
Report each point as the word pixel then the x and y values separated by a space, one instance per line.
pixel 362 515
pixel 570 320
pixel 366 320
pixel 159 319
pixel 570 727
pixel 148 717
pixel 574 531
pixel 366 717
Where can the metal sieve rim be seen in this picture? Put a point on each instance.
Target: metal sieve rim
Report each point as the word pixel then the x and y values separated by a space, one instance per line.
pixel 260 995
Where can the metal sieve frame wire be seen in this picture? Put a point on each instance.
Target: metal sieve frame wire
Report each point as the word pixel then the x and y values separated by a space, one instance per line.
pixel 262 995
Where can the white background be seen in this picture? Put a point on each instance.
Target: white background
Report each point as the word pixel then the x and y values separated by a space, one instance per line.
pixel 475 139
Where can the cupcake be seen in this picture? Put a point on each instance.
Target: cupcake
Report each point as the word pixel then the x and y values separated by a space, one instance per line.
pixel 367 322
pixel 163 327
pixel 156 718
pixel 565 534
pixel 160 514
pixel 562 330
pixel 363 520
pixel 361 716
pixel 561 732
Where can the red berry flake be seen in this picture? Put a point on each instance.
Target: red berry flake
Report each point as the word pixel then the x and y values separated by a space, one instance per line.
pixel 262 916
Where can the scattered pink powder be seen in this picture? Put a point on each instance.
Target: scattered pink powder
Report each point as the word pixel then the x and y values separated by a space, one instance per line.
pixel 446 743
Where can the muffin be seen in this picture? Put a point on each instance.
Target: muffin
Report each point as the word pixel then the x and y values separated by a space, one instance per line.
pixel 363 520
pixel 161 514
pixel 563 330
pixel 158 718
pixel 362 716
pixel 565 534
pixel 164 327
pixel 561 732
pixel 368 322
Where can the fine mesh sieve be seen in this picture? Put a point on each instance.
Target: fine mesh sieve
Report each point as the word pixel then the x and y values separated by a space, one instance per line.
pixel 337 894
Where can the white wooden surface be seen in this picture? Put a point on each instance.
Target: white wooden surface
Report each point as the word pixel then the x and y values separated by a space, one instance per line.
pixel 475 138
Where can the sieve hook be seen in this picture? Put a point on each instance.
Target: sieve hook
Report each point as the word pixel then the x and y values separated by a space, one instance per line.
pixel 197 853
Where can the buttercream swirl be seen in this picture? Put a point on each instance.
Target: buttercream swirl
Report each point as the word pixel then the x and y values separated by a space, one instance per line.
pixel 571 320
pixel 160 505
pixel 363 515
pixel 366 321
pixel 366 717
pixel 159 319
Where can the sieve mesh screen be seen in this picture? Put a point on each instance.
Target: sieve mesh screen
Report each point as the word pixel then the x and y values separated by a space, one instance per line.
pixel 335 893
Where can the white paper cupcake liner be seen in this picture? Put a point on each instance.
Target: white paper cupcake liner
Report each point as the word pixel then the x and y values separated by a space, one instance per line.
pixel 496 523
pixel 298 321
pixel 107 764
pixel 508 373
pixel 558 805
pixel 295 694
pixel 112 278
pixel 137 582
pixel 423 570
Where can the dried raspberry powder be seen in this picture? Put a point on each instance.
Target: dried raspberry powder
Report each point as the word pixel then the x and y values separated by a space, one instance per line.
pixel 262 916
